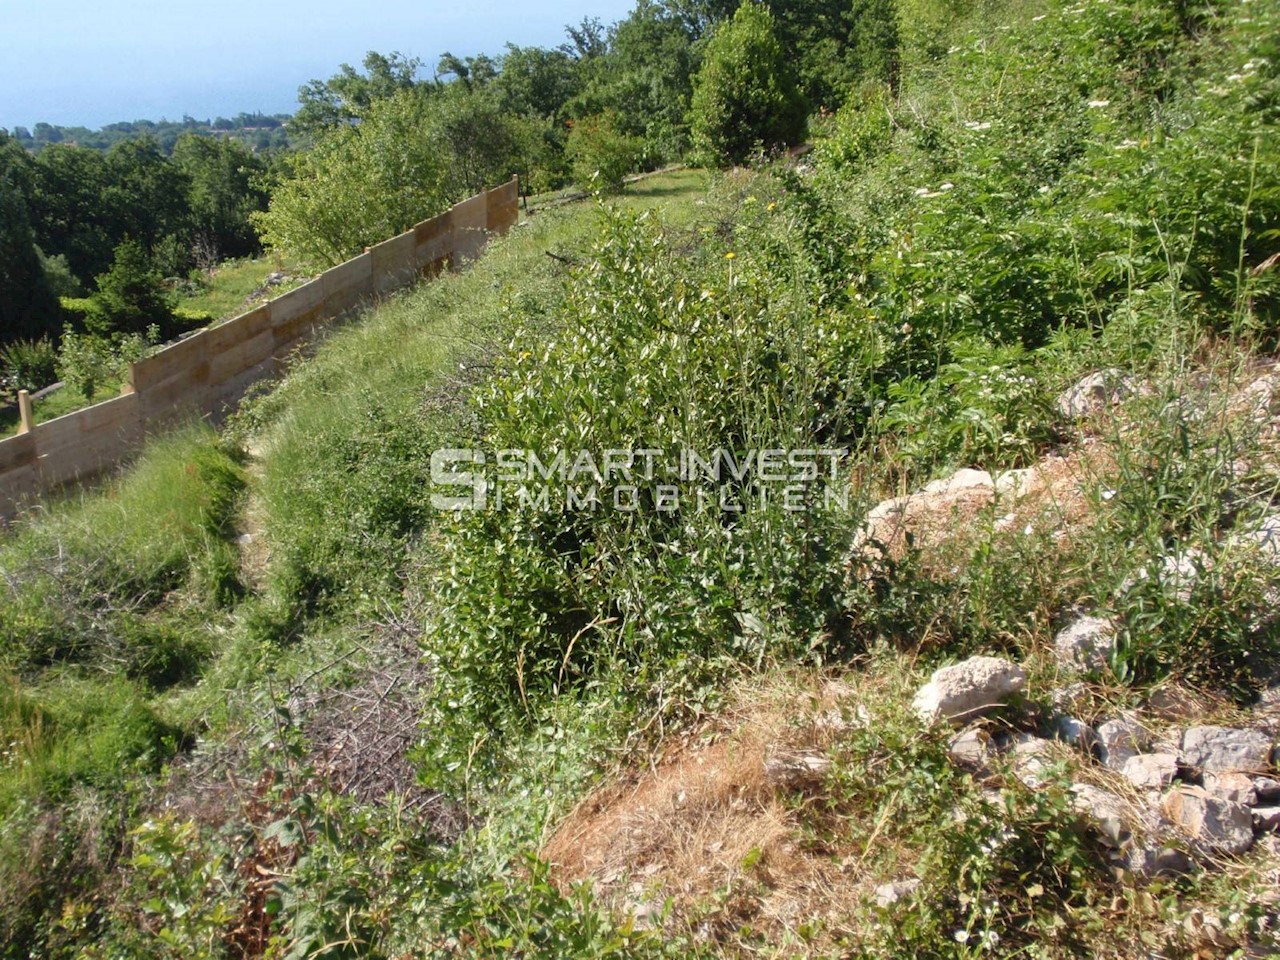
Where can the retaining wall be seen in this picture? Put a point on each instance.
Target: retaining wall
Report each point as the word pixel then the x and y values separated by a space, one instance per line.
pixel 208 373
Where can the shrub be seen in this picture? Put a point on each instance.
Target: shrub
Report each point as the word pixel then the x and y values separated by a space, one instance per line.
pixel 57 271
pixel 87 361
pixel 360 184
pixel 601 154
pixel 130 297
pixel 745 96
pixel 28 364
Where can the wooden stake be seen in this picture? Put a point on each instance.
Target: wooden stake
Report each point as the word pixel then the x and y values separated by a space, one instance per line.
pixel 28 421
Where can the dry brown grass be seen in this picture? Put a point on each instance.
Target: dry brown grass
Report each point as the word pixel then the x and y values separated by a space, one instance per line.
pixel 705 828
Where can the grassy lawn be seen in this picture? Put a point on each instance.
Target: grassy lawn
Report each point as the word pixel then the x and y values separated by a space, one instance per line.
pixel 649 190
pixel 57 404
pixel 228 289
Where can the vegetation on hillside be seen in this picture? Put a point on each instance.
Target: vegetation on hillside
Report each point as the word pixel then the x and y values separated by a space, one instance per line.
pixel 267 697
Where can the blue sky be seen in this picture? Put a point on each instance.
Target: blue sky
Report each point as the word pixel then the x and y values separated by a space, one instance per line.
pixel 90 62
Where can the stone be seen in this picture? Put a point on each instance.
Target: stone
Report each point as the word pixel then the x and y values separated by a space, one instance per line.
pixel 1156 860
pixel 1175 703
pixel 1150 771
pixel 1067 697
pixel 968 689
pixel 1120 739
pixel 965 479
pixel 1031 758
pixel 1093 393
pixel 1179 572
pixel 1085 644
pixel 1266 788
pixel 1104 811
pixel 888 894
pixel 1265 537
pixel 1235 787
pixel 1075 732
pixel 970 749
pixel 1215 826
pixel 794 770
pixel 1266 819
pixel 1226 750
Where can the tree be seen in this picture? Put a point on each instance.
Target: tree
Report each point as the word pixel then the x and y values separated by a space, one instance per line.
pixel 67 209
pixel 839 44
pixel 130 297
pixel 473 73
pixel 359 185
pixel 224 189
pixel 587 39
pixel 745 96
pixel 484 145
pixel 536 82
pixel 348 94
pixel 147 198
pixel 28 308
pixel 701 16
pixel 645 81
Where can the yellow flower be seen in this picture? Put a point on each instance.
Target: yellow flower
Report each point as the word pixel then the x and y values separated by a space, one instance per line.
pixel 730 255
pixel 772 206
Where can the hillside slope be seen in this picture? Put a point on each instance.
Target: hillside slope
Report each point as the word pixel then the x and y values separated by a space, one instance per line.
pixel 654 686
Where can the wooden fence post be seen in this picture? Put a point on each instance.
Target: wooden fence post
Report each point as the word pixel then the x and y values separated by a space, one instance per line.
pixel 27 419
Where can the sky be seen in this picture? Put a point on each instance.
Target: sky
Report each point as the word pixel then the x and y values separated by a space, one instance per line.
pixel 92 62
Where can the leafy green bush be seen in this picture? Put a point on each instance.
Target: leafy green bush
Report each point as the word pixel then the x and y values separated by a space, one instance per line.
pixel 600 154
pixel 28 364
pixel 745 96
pixel 130 297
pixel 86 361
pixel 359 186
pixel 653 351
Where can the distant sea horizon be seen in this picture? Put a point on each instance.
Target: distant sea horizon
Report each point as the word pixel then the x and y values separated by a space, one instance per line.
pixel 85 63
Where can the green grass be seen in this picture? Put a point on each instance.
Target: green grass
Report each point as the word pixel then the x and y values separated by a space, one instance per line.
pixel 225 292
pixel 58 404
pixel 862 305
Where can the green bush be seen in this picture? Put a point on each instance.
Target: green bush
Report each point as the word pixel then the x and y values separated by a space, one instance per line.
pixel 653 351
pixel 28 364
pixel 76 311
pixel 745 97
pixel 360 185
pixel 600 154
pixel 130 297
pixel 86 361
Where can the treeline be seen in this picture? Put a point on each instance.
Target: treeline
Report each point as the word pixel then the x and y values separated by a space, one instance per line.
pixel 676 80
pixel 391 144
pixel 80 222
pixel 260 132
